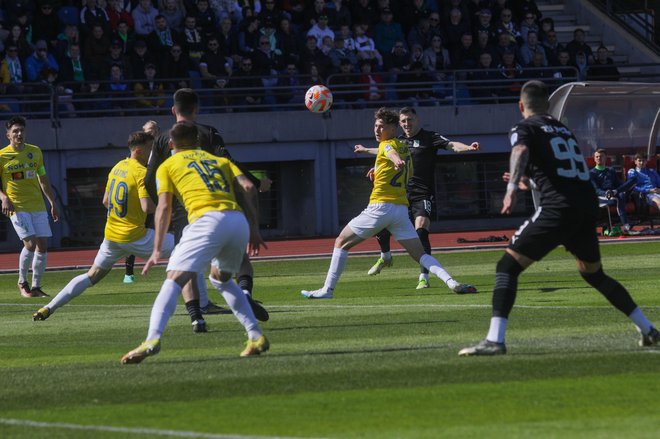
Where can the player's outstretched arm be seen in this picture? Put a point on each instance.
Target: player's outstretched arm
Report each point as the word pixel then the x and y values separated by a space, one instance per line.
pixel 396 159
pixel 462 147
pixel 360 149
pixel 517 165
pixel 162 223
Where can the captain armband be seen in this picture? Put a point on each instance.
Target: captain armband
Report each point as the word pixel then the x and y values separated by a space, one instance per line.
pixel 41 171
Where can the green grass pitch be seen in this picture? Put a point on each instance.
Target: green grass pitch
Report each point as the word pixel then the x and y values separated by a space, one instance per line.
pixel 378 361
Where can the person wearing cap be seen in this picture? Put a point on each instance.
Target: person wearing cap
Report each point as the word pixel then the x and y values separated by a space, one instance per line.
pixel 387 32
pixel 321 30
pixel 339 53
pixel 39 60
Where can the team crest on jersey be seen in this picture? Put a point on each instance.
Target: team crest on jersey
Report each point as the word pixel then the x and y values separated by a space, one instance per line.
pixel 415 143
pixel 514 139
pixel 30 155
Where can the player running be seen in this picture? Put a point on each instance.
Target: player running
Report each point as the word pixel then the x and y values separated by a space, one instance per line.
pixel 547 152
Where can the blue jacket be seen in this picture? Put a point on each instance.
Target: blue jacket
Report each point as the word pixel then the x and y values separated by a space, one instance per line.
pixel 647 179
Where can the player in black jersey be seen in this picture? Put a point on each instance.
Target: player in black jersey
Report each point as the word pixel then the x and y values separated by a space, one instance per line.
pixel 423 145
pixel 186 104
pixel 546 151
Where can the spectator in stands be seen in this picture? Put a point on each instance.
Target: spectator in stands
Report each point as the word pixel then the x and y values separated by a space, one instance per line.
pixel 500 5
pixel 296 11
pixel 96 47
pixel 313 76
pixel 174 12
pixel 251 92
pixel 387 32
pixel 119 90
pixel 139 58
pixel 287 41
pixel 528 24
pixel 14 9
pixel 205 18
pixel 24 20
pixel 546 25
pixel 270 12
pixel 484 79
pixel 582 65
pixel 39 60
pixel 116 56
pixel 312 55
pixel 144 18
pixel 117 12
pixel 466 55
pixel 193 41
pixel 578 44
pixel 290 89
pixel 372 88
pixel 150 92
pixel 339 14
pixel 68 36
pixel 525 8
pixel 125 35
pixel 603 69
pixel 222 8
pixel 338 53
pixel 92 14
pixel 265 60
pixel 531 47
pixel 215 64
pixel 647 182
pixel 435 25
pixel 537 70
pixel 564 71
pixel 512 71
pixel 344 85
pixel 412 14
pixel 436 59
pixel 508 26
pixel 608 187
pixel 176 65
pixel 484 45
pixel 321 29
pixel 162 38
pixel 363 12
pixel 420 33
pixel 414 86
pixel 248 37
pixel 552 47
pixel 46 24
pixel 12 71
pixel 74 70
pixel 397 60
pixel 505 44
pixel 455 29
pixel 485 24
pixel 416 54
pixel 366 47
pixel 17 38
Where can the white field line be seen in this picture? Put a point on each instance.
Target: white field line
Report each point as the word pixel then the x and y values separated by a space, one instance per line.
pixel 323 306
pixel 128 430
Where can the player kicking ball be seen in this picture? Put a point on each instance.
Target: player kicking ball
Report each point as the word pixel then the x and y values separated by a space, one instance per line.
pixel 547 152
pixel 387 209
pixel 128 204
pixel 218 233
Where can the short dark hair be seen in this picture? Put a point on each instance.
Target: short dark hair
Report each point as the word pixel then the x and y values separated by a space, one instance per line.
pixel 186 101
pixel 16 120
pixel 534 95
pixel 600 151
pixel 390 117
pixel 184 135
pixel 138 138
pixel 640 155
pixel 407 110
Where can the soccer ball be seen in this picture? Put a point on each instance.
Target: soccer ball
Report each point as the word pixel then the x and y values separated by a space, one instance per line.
pixel 318 99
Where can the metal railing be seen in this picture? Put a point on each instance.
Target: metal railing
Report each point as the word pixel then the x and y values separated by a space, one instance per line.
pixel 636 16
pixel 458 87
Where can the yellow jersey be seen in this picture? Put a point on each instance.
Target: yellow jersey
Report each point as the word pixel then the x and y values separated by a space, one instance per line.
pixel 201 181
pixel 20 170
pixel 125 187
pixel 390 183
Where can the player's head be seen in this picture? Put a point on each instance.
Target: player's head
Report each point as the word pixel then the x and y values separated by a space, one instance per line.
pixel 151 127
pixel 183 135
pixel 139 143
pixel 385 122
pixel 15 130
pixel 409 121
pixel 186 103
pixel 533 98
pixel 640 160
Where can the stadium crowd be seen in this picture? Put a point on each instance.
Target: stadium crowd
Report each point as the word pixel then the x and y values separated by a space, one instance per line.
pixel 143 48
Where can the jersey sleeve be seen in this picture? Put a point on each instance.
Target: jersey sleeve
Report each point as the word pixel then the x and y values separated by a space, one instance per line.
pixel 235 170
pixel 163 181
pixel 217 144
pixel 521 135
pixel 439 141
pixel 140 174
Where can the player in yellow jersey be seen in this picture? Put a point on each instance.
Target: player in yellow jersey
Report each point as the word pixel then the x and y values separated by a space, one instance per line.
pixel 128 204
pixel 23 180
pixel 387 209
pixel 217 233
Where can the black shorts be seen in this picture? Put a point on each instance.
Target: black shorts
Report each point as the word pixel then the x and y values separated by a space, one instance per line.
pixel 549 228
pixel 422 206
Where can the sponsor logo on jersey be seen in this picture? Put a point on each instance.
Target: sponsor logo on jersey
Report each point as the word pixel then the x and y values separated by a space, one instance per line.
pixel 17 176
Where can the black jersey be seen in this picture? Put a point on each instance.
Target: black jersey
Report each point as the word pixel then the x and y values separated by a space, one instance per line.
pixel 555 163
pixel 209 139
pixel 423 148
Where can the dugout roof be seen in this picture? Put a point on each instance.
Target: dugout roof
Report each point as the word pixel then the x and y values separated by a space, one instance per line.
pixel 623 117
